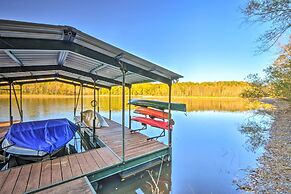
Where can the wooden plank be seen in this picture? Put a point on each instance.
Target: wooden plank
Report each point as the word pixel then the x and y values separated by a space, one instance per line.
pixel 83 163
pixel 76 170
pixel 11 179
pixel 145 148
pixel 3 176
pixel 78 186
pixel 98 158
pixel 46 173
pixel 108 157
pixel 129 146
pixel 22 180
pixel 34 178
pixel 91 162
pixel 140 152
pixel 56 171
pixel 66 168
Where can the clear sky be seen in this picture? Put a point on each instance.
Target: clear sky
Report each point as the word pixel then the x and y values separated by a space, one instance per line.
pixel 202 40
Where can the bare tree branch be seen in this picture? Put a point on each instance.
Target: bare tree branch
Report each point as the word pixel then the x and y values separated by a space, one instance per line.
pixel 277 13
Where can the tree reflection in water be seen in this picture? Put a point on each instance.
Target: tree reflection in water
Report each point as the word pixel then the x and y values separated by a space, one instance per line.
pixel 256 129
pixel 140 183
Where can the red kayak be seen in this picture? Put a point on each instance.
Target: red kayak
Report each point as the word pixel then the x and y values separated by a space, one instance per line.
pixel 152 122
pixel 153 113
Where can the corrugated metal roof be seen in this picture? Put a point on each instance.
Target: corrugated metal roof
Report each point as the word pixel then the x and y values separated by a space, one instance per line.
pixel 25 57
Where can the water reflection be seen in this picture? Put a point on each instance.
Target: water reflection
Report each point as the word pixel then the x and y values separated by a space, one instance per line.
pixel 156 180
pixel 256 129
pixel 39 107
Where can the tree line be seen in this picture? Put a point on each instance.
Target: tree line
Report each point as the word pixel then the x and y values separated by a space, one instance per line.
pixel 183 89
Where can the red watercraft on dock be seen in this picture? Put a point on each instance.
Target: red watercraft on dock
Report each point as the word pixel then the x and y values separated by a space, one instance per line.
pixel 153 113
pixel 154 123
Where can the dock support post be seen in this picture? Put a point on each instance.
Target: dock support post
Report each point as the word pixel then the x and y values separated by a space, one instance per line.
pixel 17 102
pixel 10 104
pixel 169 117
pixel 75 100
pixel 98 98
pixel 109 104
pixel 123 115
pixel 21 103
pixel 82 101
pixel 129 107
pixel 94 105
pixel 123 70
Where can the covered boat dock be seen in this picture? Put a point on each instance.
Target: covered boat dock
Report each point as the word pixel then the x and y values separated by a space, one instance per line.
pixel 35 53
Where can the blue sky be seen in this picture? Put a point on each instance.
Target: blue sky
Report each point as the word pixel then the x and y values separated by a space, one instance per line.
pixel 202 40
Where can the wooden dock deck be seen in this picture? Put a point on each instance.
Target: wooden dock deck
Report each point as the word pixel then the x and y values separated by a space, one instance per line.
pixel 96 163
pixel 136 144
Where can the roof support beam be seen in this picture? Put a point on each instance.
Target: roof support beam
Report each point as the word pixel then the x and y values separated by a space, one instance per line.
pixel 62 57
pixel 10 79
pixel 45 44
pixel 58 68
pixel 13 57
pixel 44 81
pixel 98 68
pixel 47 76
pixel 82 81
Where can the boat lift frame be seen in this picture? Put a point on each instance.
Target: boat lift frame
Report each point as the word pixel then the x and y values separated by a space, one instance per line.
pixel 80 97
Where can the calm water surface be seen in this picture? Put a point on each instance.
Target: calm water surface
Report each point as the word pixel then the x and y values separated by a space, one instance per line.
pixel 213 143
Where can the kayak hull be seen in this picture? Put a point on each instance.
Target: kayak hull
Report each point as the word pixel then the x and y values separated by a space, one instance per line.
pixel 151 112
pixel 158 104
pixel 153 123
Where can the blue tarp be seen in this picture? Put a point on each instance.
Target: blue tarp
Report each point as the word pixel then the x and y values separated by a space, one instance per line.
pixel 45 135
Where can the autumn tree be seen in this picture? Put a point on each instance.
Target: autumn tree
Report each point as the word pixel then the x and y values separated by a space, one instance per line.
pixel 279 74
pixel 277 82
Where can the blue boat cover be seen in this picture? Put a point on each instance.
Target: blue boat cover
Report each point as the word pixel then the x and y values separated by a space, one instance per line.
pixel 45 135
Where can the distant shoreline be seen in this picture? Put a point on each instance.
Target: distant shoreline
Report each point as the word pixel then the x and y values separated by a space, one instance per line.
pixel 87 96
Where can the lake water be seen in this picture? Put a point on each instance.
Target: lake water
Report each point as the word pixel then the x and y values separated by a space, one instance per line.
pixel 213 143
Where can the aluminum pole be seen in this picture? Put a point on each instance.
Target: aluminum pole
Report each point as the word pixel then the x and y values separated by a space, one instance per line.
pixel 129 108
pixel 98 103
pixel 169 117
pixel 10 104
pixel 16 99
pixel 123 116
pixel 75 101
pixel 94 105
pixel 21 103
pixel 109 104
pixel 82 102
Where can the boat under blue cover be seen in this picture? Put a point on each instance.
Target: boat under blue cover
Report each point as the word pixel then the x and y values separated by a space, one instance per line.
pixel 45 135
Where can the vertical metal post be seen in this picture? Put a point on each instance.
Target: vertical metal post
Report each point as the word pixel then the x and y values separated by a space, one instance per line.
pixel 82 102
pixel 98 103
pixel 94 105
pixel 75 100
pixel 16 99
pixel 21 103
pixel 169 117
pixel 129 107
pixel 123 116
pixel 109 104
pixel 10 103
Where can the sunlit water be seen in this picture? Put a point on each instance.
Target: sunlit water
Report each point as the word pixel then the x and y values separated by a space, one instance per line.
pixel 212 143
